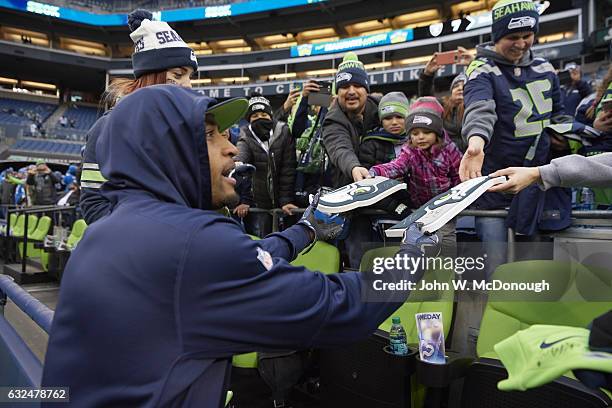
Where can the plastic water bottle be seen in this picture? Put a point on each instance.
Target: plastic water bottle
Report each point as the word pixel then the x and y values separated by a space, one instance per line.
pixel 587 198
pixel 397 338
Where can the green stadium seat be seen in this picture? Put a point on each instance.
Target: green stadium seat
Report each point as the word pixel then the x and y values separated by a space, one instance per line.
pixel 564 305
pixel 39 234
pixel 78 229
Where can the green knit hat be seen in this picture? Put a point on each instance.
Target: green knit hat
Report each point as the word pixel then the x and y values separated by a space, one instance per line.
pixel 393 103
pixel 351 71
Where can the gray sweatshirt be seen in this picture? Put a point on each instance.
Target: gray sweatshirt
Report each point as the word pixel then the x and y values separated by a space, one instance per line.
pixel 578 171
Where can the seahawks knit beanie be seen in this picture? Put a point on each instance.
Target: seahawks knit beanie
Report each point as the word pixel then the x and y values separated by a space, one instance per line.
pixel 427 104
pixel 393 103
pixel 351 71
pixel 512 16
pixel 425 120
pixel 258 103
pixel 157 47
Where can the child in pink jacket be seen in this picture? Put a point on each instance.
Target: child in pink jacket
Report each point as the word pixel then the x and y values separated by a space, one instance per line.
pixel 429 160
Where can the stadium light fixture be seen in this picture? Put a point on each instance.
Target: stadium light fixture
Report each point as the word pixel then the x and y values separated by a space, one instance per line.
pixel 84 50
pixel 283 45
pixel 17 35
pixel 38 85
pixel 318 33
pixel 201 81
pixel 416 17
pixel 378 65
pixel 359 28
pixel 236 49
pixel 325 39
pixel 238 42
pixel 277 38
pixel 235 79
pixel 555 37
pixel 274 77
pixel 320 72
pixel 415 60
pixel 10 81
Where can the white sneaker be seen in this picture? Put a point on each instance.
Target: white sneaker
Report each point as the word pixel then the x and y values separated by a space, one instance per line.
pixel 359 194
pixel 434 214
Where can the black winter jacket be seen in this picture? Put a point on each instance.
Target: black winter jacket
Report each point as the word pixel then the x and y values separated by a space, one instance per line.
pixel 378 147
pixel 342 137
pixel 43 188
pixel 274 179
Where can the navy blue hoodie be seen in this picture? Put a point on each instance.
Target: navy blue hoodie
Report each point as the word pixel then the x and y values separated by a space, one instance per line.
pixel 161 293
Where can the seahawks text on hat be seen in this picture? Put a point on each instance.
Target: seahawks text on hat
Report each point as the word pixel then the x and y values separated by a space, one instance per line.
pixel 258 99
pixel 422 120
pixel 163 37
pixel 501 12
pixel 351 64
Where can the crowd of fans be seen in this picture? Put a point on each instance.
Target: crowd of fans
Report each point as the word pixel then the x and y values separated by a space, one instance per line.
pixel 33 116
pixel 37 185
pixel 302 147
pixel 507 108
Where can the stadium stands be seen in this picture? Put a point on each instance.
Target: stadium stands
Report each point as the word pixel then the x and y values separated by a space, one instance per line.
pixel 83 117
pixel 21 112
pixel 47 146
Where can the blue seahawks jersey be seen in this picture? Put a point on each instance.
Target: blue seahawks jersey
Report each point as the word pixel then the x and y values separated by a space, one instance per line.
pixel 525 98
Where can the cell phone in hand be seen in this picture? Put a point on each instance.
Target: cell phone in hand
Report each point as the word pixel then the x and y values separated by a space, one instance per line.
pixel 325 86
pixel 606 105
pixel 447 58
pixel 323 96
pixel 564 78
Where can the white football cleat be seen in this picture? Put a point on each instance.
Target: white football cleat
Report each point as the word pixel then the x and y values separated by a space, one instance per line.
pixel 359 194
pixel 434 214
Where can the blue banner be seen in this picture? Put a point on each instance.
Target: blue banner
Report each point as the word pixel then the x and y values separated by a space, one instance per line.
pixel 354 43
pixel 187 14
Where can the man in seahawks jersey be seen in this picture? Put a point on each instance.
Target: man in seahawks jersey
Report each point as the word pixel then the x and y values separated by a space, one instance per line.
pixel 510 96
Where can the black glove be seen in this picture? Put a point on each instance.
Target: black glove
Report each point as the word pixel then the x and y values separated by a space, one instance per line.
pixel 243 170
pixel 426 244
pixel 326 227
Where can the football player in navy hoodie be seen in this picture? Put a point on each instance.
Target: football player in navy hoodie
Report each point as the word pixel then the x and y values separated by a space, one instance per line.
pixel 163 291
pixel 510 96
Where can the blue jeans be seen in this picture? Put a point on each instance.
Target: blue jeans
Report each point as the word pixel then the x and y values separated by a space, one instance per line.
pixel 493 233
pixel 360 238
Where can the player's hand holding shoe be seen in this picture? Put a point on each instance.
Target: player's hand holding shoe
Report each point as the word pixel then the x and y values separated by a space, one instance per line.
pixel 326 227
pixel 427 244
